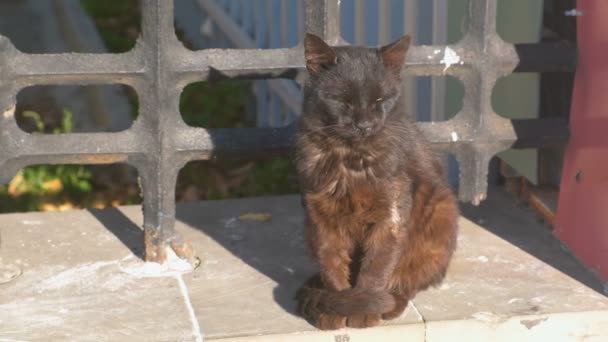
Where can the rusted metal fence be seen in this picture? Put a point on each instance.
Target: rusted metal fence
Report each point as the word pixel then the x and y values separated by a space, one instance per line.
pixel 159 143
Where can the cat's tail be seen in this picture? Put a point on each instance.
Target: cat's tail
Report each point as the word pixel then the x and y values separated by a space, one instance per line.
pixel 313 300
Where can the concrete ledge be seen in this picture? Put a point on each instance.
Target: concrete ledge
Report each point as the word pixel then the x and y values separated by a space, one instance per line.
pixel 80 280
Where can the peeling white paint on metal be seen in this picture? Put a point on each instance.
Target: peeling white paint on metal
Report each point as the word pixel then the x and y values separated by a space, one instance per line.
pixel 454 136
pixel 173 266
pixel 450 57
pixel 9 112
pixel 573 13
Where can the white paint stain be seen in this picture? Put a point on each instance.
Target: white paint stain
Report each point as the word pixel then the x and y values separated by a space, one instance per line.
pixel 538 299
pixel 82 275
pixel 485 316
pixel 454 136
pixel 450 57
pixel 514 300
pixel 196 328
pixel 481 258
pixel 172 267
pixel 31 222
pixel 231 222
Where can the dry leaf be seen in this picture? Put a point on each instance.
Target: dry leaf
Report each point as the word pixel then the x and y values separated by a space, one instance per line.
pixel 53 185
pixel 15 184
pixel 255 217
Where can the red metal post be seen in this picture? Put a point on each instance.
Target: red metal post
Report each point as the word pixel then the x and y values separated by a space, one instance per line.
pixel 582 214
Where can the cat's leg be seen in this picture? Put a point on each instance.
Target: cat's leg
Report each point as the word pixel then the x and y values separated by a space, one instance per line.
pixel 307 306
pixel 431 242
pixel 332 251
pixel 382 250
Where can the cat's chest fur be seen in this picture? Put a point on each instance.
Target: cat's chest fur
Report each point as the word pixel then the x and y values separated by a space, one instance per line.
pixel 351 186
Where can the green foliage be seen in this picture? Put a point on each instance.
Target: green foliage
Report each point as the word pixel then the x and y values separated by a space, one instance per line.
pixel 215 106
pixel 118 22
pixel 35 185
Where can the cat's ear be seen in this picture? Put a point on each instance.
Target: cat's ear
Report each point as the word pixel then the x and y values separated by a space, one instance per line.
pixel 393 55
pixel 318 54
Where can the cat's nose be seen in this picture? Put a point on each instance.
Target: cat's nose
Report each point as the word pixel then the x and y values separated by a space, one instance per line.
pixel 364 126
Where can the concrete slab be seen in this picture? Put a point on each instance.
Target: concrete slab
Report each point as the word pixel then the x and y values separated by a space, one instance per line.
pixel 510 280
pixel 251 270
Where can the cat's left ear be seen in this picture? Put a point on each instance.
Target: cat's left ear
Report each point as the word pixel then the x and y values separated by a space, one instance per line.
pixel 393 55
pixel 318 54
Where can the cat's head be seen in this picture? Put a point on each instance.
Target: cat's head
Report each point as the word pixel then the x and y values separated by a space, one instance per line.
pixel 352 91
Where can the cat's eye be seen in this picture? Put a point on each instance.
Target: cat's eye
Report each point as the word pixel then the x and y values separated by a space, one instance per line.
pixel 386 104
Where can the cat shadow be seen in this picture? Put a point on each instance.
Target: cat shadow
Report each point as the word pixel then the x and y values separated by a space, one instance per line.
pixel 503 217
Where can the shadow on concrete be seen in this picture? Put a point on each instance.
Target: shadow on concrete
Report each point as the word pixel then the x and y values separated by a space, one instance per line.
pixel 129 233
pixel 503 217
pixel 273 248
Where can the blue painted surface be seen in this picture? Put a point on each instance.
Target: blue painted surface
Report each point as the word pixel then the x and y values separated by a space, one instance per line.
pixel 251 15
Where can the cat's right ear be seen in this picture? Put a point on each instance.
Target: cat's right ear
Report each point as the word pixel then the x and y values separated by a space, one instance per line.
pixel 318 54
pixel 393 55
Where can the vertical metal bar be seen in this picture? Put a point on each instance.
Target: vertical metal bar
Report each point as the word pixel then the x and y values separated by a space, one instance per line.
pixel 438 84
pixel 322 17
pixel 384 21
pixel 259 34
pixel 283 20
pixel 270 23
pixel 410 22
pixel 159 166
pixel 301 18
pixel 477 111
pixel 359 22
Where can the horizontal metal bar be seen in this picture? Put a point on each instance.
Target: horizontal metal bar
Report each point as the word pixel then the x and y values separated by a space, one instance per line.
pixel 546 132
pixel 546 57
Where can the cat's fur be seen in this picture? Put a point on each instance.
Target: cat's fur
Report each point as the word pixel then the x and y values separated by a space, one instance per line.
pixel 381 220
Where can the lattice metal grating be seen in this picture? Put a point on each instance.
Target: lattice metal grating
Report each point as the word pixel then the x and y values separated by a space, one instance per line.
pixel 159 143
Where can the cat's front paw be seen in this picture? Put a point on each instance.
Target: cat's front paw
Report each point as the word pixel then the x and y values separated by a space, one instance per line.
pixel 363 321
pixel 330 322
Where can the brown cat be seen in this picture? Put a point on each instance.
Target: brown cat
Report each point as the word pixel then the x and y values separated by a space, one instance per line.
pixel 381 219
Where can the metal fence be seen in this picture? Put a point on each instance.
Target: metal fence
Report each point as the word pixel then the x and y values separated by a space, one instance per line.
pixel 159 143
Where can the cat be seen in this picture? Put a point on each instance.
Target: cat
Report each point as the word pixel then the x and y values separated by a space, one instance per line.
pixel 380 217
